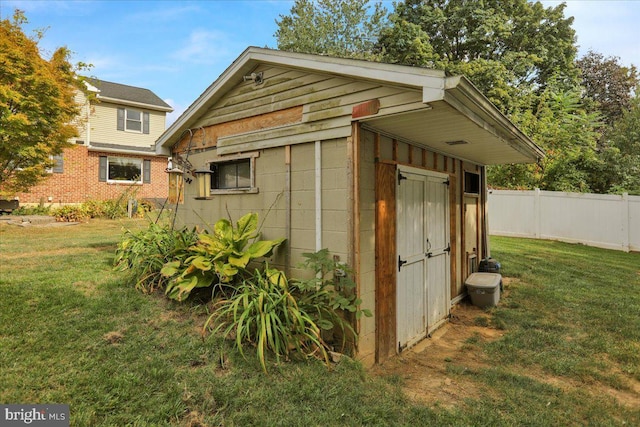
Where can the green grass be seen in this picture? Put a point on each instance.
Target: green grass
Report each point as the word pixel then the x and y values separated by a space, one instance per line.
pixel 74 331
pixel 575 312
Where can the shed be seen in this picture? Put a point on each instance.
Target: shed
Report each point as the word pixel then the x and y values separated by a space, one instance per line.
pixel 382 164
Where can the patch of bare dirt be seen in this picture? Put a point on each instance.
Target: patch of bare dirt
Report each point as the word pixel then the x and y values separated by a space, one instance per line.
pixel 629 396
pixel 113 337
pixel 424 368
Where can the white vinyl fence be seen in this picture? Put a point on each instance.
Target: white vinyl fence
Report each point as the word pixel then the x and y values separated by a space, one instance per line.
pixel 602 220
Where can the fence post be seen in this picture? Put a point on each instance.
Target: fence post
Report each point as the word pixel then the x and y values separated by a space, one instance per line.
pixel 624 222
pixel 537 212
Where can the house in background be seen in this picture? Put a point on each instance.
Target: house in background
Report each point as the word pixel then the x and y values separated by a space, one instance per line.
pixel 382 164
pixel 115 151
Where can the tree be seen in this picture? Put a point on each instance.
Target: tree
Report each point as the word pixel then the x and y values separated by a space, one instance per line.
pixel 37 106
pixel 343 28
pixel 620 171
pixel 608 88
pixel 520 54
pixel 607 83
pixel 567 132
pixel 504 47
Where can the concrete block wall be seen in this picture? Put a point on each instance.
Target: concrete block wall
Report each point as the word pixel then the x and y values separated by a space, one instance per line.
pixel 270 200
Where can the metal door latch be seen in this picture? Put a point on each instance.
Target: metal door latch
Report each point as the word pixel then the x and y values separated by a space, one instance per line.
pixel 401 262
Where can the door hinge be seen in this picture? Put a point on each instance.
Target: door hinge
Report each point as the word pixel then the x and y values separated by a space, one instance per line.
pixel 401 262
pixel 401 177
pixel 447 182
pixel 448 249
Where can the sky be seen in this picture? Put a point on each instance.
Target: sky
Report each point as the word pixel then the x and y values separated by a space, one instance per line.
pixel 178 48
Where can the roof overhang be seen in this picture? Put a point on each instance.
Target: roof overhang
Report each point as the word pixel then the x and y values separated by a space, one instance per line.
pixel 461 122
pixel 133 103
pixel 113 149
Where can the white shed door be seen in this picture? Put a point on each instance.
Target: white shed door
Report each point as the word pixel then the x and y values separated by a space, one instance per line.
pixel 423 254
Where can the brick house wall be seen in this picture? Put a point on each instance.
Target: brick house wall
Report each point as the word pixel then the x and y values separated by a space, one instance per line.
pixel 108 128
pixel 79 180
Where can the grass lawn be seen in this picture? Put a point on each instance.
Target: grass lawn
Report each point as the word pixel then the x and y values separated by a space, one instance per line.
pixel 73 331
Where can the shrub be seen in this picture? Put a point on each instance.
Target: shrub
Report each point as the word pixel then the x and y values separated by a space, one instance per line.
pixel 114 209
pixel 144 253
pixel 329 296
pixel 71 213
pixel 32 210
pixel 278 315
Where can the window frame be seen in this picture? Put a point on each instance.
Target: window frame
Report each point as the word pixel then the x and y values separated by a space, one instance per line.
pixel 127 120
pixel 250 157
pixel 123 181
pixel 58 164
pixel 471 183
pixel 123 120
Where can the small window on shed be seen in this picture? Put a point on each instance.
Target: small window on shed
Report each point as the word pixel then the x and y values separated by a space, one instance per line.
pixel 471 183
pixel 233 175
pixel 236 175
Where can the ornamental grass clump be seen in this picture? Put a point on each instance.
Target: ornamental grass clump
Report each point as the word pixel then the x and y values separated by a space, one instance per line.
pixel 144 253
pixel 264 312
pixel 284 316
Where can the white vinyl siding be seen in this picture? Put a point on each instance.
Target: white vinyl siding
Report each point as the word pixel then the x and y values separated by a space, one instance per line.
pixel 104 130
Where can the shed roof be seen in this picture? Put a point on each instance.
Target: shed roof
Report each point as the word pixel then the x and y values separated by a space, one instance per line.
pixel 130 95
pixel 460 122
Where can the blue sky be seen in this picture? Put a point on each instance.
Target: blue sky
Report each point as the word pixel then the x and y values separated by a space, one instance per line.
pixel 178 48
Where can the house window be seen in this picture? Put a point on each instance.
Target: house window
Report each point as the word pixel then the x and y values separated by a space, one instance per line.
pixel 120 169
pixel 58 164
pixel 132 120
pixel 234 175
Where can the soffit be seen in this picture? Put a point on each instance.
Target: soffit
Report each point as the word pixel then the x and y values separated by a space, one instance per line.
pixel 435 127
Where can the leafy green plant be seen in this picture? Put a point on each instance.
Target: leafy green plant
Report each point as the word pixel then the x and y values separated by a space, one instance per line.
pixel 218 258
pixel 264 312
pixel 280 316
pixel 71 213
pixel 32 210
pixel 144 253
pixel 330 295
pixel 95 208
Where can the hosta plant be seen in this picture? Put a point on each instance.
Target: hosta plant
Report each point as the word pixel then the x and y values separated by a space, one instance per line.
pixel 265 313
pixel 218 258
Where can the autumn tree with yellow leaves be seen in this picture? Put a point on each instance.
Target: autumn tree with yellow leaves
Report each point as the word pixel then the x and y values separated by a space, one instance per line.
pixel 37 106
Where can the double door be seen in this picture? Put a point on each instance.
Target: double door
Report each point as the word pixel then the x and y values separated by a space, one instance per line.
pixel 423 245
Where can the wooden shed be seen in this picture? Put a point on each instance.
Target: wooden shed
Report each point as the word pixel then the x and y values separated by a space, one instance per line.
pixel 382 164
